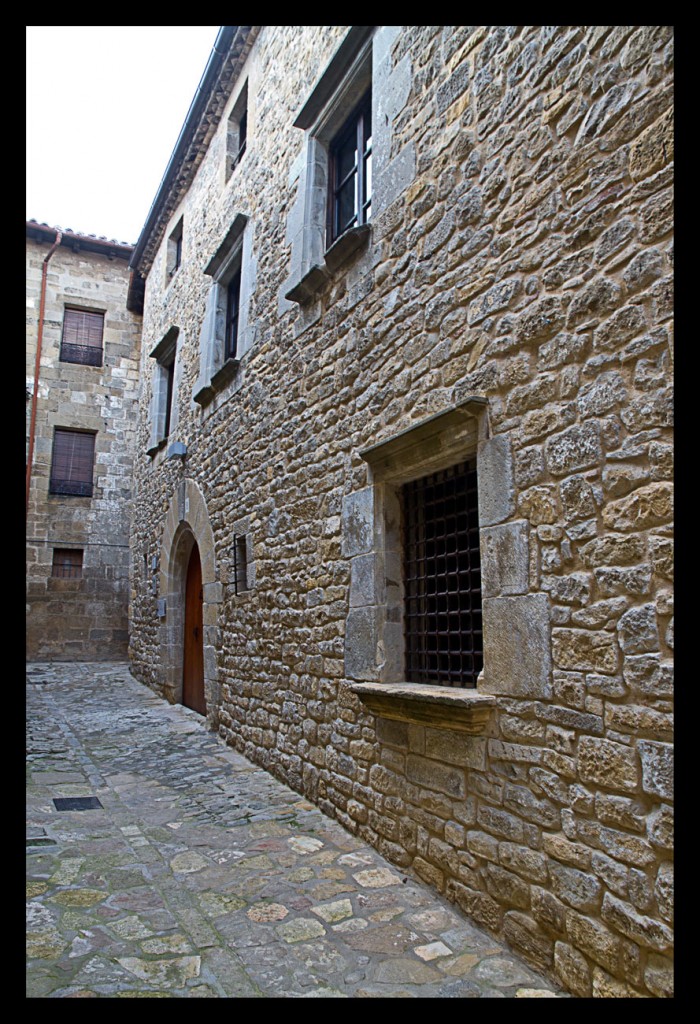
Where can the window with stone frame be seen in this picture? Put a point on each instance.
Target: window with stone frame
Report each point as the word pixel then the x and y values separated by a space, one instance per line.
pixel 72 462
pixel 163 397
pixel 226 335
pixel 414 647
pixel 237 132
pixel 174 249
pixel 336 178
pixel 81 340
pixel 350 172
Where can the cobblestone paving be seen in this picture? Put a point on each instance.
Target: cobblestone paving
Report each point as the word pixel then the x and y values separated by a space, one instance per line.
pixel 200 875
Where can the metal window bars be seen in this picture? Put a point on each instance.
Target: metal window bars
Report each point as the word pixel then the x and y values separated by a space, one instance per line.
pixel 442 578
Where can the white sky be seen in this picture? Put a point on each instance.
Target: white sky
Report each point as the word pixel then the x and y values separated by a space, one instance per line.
pixel 105 105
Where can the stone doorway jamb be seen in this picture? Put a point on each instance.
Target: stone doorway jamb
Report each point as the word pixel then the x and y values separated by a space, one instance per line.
pixel 186 523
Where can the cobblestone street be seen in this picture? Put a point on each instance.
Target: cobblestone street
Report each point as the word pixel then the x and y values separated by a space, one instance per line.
pixel 162 863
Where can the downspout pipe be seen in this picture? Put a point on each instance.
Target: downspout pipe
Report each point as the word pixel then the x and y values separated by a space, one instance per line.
pixel 37 362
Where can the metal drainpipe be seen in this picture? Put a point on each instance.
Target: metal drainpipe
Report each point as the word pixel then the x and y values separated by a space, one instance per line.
pixel 40 334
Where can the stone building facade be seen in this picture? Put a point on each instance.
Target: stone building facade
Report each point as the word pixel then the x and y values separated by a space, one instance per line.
pixel 81 421
pixel 475 333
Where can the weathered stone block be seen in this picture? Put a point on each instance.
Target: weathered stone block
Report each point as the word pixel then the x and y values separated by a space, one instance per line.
pixel 575 448
pixel 505 559
pixel 657 768
pixel 637 630
pixel 496 488
pixel 584 650
pixel 645 930
pixel 659 976
pixel 516 646
pixel 434 775
pixel 507 888
pixel 608 764
pixel 361 644
pixel 524 861
pixel 592 937
pixel 456 748
pixel 525 937
pixel 572 969
pixel 577 888
pixel 358 522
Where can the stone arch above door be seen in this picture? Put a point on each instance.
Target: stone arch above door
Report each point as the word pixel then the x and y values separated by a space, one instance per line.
pixel 186 523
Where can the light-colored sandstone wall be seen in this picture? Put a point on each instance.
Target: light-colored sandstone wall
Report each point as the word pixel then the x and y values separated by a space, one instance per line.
pixel 85 619
pixel 522 251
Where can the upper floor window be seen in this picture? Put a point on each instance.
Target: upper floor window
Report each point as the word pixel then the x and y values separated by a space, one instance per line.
pixel 226 334
pixel 72 462
pixel 350 177
pixel 237 132
pixel 174 253
pixel 163 398
pixel 81 341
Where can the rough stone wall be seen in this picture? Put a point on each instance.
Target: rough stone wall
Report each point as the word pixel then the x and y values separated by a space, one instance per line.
pixel 87 618
pixel 527 258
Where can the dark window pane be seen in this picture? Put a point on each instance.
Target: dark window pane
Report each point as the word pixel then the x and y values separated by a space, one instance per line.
pixel 233 301
pixel 347 208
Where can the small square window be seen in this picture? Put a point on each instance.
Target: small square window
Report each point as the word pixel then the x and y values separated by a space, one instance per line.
pixel 81 341
pixel 67 563
pixel 72 462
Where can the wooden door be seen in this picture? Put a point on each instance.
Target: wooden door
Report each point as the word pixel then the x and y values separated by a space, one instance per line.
pixel 193 654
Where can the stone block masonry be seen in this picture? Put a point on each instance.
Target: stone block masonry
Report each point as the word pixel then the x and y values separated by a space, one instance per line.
pixel 520 256
pixel 83 616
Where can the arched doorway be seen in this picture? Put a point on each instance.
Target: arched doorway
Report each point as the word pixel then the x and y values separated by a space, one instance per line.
pixel 193 641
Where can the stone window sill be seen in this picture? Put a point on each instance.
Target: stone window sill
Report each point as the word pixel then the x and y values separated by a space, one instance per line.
pixel 217 383
pixel 350 242
pixel 440 707
pixel 152 452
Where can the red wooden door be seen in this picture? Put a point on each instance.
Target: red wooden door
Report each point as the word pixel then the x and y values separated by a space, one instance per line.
pixel 193 654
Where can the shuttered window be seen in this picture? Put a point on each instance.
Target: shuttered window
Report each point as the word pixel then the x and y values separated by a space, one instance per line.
pixel 72 463
pixel 82 337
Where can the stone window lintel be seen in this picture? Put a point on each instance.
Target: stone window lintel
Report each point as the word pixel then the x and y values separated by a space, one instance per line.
pixel 432 442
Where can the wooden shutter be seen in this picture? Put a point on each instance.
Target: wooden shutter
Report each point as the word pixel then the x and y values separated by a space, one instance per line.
pixel 82 337
pixel 72 463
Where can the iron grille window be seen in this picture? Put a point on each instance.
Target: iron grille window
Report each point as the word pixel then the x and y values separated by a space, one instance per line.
pixel 240 563
pixel 82 337
pixel 442 578
pixel 72 461
pixel 350 194
pixel 67 563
